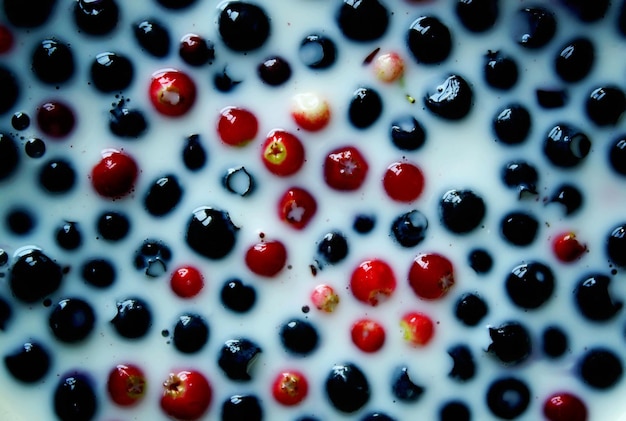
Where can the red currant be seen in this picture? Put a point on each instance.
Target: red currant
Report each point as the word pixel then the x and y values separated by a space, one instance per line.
pixel 126 384
pixel 282 153
pixel 186 395
pixel 372 281
pixel 297 207
pixel 55 119
pixel 172 92
pixel 6 39
pixel 431 276
pixel 310 111
pixel 403 182
pixel 290 388
pixel 237 126
pixel 418 328
pixel 564 407
pixel 368 335
pixel 325 298
pixel 187 281
pixel 345 169
pixel 567 248
pixel 266 258
pixel 115 174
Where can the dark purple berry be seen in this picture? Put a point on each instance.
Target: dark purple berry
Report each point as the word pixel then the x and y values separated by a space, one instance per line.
pixel 243 26
pixel 133 319
pixel 163 196
pixel 429 40
pixel 363 223
pixel 530 285
pixel 461 211
pixel 366 106
pixel 450 100
pixel 594 300
pixel 126 122
pixel 35 148
pixel 153 257
pixel 28 13
pixel 533 27
pixel 111 72
pixel 600 368
pixel 347 388
pixel 68 236
pixel 211 233
pixel 317 52
pixel 191 333
pixel 195 50
pixel 29 363
pixel 57 176
pixel 274 71
pixel 508 398
pixel 575 60
pixel 568 196
pixel 365 20
pixel 480 260
pixel 554 342
pixel 75 398
pixel 237 357
pixel 242 407
pixel 477 15
pixel 55 119
pixel 409 229
pixel 20 221
pixel 407 133
pixel 403 388
pixel 464 367
pixel 20 121
pixel 519 228
pixel 237 296
pixel 455 411
pixel 53 61
pixel 549 98
pixel 153 37
pixel 510 343
pixel 512 124
pixel 99 273
pixel 223 82
pixel 470 309
pixel 34 276
pixel 72 320
pixel 299 337
pixel 113 226
pixel 194 154
pixel 96 17
pixel 605 105
pixel 566 146
pixel 500 70
pixel 333 247
pixel 522 176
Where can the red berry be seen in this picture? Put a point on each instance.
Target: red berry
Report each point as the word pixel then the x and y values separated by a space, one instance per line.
pixel 186 395
pixel 290 388
pixel 372 281
pixel 6 39
pixel 237 126
pixel 418 328
pixel 325 298
pixel 266 258
pixel 282 153
pixel 55 119
pixel 345 169
pixel 115 174
pixel 195 50
pixel 126 384
pixel 431 276
pixel 368 335
pixel 310 111
pixel 186 281
pixel 172 92
pixel 567 248
pixel 296 207
pixel 564 407
pixel 403 182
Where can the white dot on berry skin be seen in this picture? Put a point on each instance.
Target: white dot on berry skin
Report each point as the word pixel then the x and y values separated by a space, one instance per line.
pixel 170 97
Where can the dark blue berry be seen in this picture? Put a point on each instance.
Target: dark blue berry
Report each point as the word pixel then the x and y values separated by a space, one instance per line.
pixel 409 229
pixel 243 26
pixel 575 60
pixel 522 176
pixel 317 51
pixel 455 411
pixel 508 397
pixel 533 27
pixel 163 196
pixel 195 50
pixel 28 14
pixel 365 108
pixel 530 285
pixel 239 181
pixel 407 133
pixel 519 228
pixel 211 233
pixel 96 17
pixel 480 260
pixel 9 156
pixel 133 318
pixel 621 19
pixel 377 416
pixel 237 296
pixel 75 398
pixel 113 226
pixel 34 276
pixel 57 176
pixel 605 105
pixel 554 342
pixel 403 388
pixel 551 97
pixel 4 257
pixel 72 320
pixel 451 99
pixel 365 20
pixel 500 70
pixel 299 336
pixel 242 407
pixel 600 368
pixel 569 196
pixel 512 124
pixel 35 148
pixel 52 62
pixel 194 154
pixel 617 155
pixel 223 82
pixel 463 367
pixel 594 300
pixel 566 146
pixel 126 122
pixel 176 4
pixel 20 221
pixel 111 72
pixel 510 343
pixel 153 37
pixel 237 357
pixel 274 71
pixel 153 257
pixel 477 15
pixel 29 363
pixel 68 236
pixel 461 211
pixel 587 11
pixel 333 247
pixel 470 309
pixel 347 387
pixel 364 223
pixel 616 245
pixel 20 121
pixel 99 273
pixel 5 313
pixel 429 40
pixel 10 91
pixel 191 333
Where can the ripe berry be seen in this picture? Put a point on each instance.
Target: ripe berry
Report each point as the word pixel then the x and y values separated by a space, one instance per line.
pixel 500 71
pixel 96 17
pixel 195 50
pixel 477 15
pixel 114 176
pixel 333 247
pixel 57 176
pixel 133 318
pixel 519 228
pixel 593 298
pixel 299 336
pixel 534 27
pixel 237 126
pixel 55 119
pixel 274 71
pixel 407 133
pixel 34 276
pixel 113 226
pixel 470 309
pixel 290 388
pixel 172 92
pixel 126 384
pixel 575 60
pixel 237 296
pixel 510 343
pixel 365 108
pixel 242 407
pixel 403 388
pixel 266 258
pixel 317 51
pixel 566 146
pixel 403 181
pixel 191 333
pixel 417 328
pixel 431 276
pixel 451 99
pixel 211 233
pixel 153 37
pixel 567 248
pixel 236 358
pixel 72 320
pixel 111 72
pixel 345 169
pixel 368 335
pixel 53 62
pixel 530 285
pixel 186 281
pixel 600 368
pixel 297 207
pixel 29 363
pixel 282 153
pixel 362 21
pixel 508 398
pixel 325 298
pixel 243 26
pixel 605 105
pixel 347 388
pixel 461 211
pixel 99 273
pixel 163 196
pixel 310 111
pixel 186 395
pixel 429 40
pixel 409 229
pixel 464 367
pixel 564 406
pixel 388 67
pixel 372 281
pixel 75 398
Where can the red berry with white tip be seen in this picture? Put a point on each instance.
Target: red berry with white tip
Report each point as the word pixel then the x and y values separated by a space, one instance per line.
pixel 172 92
pixel 325 298
pixel 389 67
pixel 297 207
pixel 310 111
pixel 345 169
pixel 372 281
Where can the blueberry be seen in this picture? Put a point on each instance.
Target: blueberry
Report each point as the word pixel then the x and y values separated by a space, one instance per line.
pixel 55 119
pixel 551 97
pixel 450 100
pixel 616 245
pixel 194 154
pixel 463 367
pixel 133 318
pixel 9 156
pixel 364 223
pixel 34 148
pixel 5 314
pixel 365 20
pixel 96 17
pixel 522 176
pixel 365 108
pixel 239 181
pixel 377 416
pixel 243 26
pixel 75 398
pixel 237 357
pixel 111 72
pixel 113 226
pixel 480 260
pixel 508 397
pixel 242 407
pixel 20 221
pixel 621 20
pixel 99 273
pixel 403 388
pixel 29 363
pixel 429 40
pixel 333 247
pixel 534 27
pixel 211 233
pixel 4 257
pixel 554 342
pixel 72 320
pixel 409 229
pixel 196 51
pixel 530 285
pixel 223 82
pixel 587 11
pixel 512 124
pixel 57 176
pixel 519 228
pixel 34 276
pixel 10 92
pixel 52 61
pixel 274 71
pixel 566 146
pixel 28 14
pixel 317 51
pixel 237 296
pixel 407 133
pixel 575 60
pixel 299 336
pixel 163 196
pixel 477 15
pixel 594 300
pixel 569 196
pixel 20 121
pixel 617 155
pixel 455 411
pixel 176 4
pixel 191 333
pixel 500 70
pixel 126 122
pixel 461 211
pixel 510 343
pixel 153 37
pixel 347 387
pixel 470 309
pixel 600 368
pixel 152 258
pixel 68 236
pixel 605 105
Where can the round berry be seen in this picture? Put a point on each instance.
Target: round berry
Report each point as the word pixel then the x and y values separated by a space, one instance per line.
pixel 477 16
pixel 365 108
pixel 114 175
pixel 575 59
pixel 403 388
pixel 407 133
pixel 55 119
pixel 512 124
pixel 417 328
pixel 29 363
pixel 317 51
pixel 594 299
pixel 333 247
pixel 409 229
pixel 211 233
pixel 99 273
pixel 363 21
pixel 195 50
pixel 191 333
pixel 186 281
pixel 57 176
pixel 345 169
pixel 72 320
pixel 297 207
pixel 403 182
pixel 347 388
pixel 274 71
pixel 53 61
pixel 153 37
pixel 368 335
pixel 282 153
pixel 290 388
pixel 299 337
pixel 237 357
pixel 530 285
pixel 510 343
pixel 325 298
pixel 508 397
pixel 461 211
pixel 164 194
pixel 605 105
pixel 126 384
pixel 242 407
pixel 111 72
pixel 464 367
pixel 133 318
pixel 555 342
pixel 429 40
pixel 172 92
pixel 266 258
pixel 372 282
pixel 566 146
pixel 600 368
pixel 96 17
pixel 564 406
pixel 533 27
pixel 238 296
pixel 34 276
pixel 237 126
pixel 500 71
pixel 75 398
pixel 243 26
pixel 470 309
pixel 431 276
pixel 113 226
pixel 451 99
pixel 519 228
pixel 69 236
pixel 187 395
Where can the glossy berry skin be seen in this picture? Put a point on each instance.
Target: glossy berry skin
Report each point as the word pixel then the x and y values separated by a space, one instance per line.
pixel 72 320
pixel 345 169
pixel 274 71
pixel 522 176
pixel 365 108
pixel 605 105
pixel 567 248
pixel 243 26
pixel 96 17
pixel 403 388
pixel 569 196
pixel 111 72
pixel 133 318
pixel 126 122
pixel 594 300
pixel 195 50
pixel 530 285
pixel 510 343
pixel 470 309
pixel 534 27
pixel 519 228
pixel 266 258
pixel 191 333
pixel 99 273
pixel 464 367
pixel 617 155
pixel 407 133
pixel 75 398
pixel 113 226
pixel 566 146
pixel 242 407
pixel 317 51
pixel 126 384
pixel 431 276
pixel 153 37
pixel 600 368
pixel 403 182
pixel 310 111
pixel 163 196
pixel 363 21
pixel 372 282
pixel 299 337
pixel 29 363
pixel 417 328
pixel 388 67
pixel 211 233
pixel 57 176
pixel 172 92
pixel 282 153
pixel 616 245
pixel 564 406
pixel 187 281
pixel 461 211
pixel 237 357
pixel 429 40
pixel 194 153
pixel 290 388
pixel 500 71
pixel 53 62
pixel 333 247
pixel 508 397
pixel 477 15
pixel 186 395
pixel 451 99
pixel 237 126
pixel 347 388
pixel 575 60
pixel 34 276
pixel 237 296
pixel 409 229
pixel 297 207
pixel 56 119
pixel 114 175
pixel 512 124
pixel 368 335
